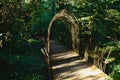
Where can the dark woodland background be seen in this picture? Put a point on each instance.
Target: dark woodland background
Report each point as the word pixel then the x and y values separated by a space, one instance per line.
pixel 24 24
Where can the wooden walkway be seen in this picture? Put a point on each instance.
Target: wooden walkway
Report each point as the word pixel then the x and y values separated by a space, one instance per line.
pixel 67 65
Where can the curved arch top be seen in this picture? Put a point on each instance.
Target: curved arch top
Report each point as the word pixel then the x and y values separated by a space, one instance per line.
pixel 72 22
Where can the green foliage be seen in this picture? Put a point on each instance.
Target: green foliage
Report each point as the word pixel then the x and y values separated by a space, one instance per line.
pixel 100 22
pixel 23 20
pixel 36 77
pixel 18 18
pixel 116 72
pixel 30 65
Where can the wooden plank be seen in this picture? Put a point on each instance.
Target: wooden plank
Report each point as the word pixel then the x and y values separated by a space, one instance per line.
pixel 67 65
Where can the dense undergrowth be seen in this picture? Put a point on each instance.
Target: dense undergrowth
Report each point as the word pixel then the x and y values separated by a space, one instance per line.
pixel 20 57
pixel 27 65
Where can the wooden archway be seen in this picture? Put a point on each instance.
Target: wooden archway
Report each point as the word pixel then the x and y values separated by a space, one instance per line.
pixel 72 23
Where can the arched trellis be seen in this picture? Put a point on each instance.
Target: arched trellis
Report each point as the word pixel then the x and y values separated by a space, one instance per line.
pixel 72 23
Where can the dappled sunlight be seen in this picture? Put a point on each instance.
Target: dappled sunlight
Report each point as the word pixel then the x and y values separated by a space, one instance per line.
pixel 83 72
pixel 90 71
pixel 88 29
pixel 61 52
pixel 66 60
pixel 64 55
pixel 27 1
pixel 69 66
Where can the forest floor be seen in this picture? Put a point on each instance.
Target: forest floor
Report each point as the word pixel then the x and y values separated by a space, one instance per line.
pixel 67 65
pixel 27 65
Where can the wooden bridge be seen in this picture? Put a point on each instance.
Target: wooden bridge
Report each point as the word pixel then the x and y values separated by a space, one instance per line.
pixel 67 65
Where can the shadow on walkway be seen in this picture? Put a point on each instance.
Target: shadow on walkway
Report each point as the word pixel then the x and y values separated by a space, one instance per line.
pixel 67 65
